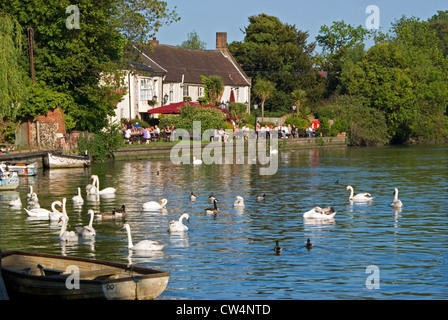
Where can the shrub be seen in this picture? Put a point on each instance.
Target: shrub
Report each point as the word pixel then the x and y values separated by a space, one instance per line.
pixel 102 145
pixel 299 122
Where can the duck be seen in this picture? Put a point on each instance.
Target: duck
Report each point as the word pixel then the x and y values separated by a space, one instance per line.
pixel 308 244
pixel 239 202
pixel 261 197
pixel 359 196
pixel 107 215
pixel 154 205
pixel 211 198
pixel 87 231
pixel 213 210
pixel 197 161
pixel 277 248
pixel 320 213
pixel 15 203
pixel 396 203
pixel 177 226
pixel 65 235
pixel 96 184
pixel 144 245
pixel 78 198
pixel 121 212
pixel 192 197
pixel 42 213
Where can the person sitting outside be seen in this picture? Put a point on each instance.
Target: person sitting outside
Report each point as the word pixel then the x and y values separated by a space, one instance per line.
pixel 223 134
pixel 127 135
pixel 146 135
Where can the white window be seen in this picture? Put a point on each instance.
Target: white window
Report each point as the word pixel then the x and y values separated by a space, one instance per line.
pixel 145 89
pixel 171 93
pixel 185 92
pixel 200 92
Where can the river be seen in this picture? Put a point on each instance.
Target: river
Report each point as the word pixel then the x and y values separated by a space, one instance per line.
pixel 368 251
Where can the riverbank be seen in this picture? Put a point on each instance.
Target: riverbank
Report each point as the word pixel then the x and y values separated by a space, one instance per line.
pixel 163 151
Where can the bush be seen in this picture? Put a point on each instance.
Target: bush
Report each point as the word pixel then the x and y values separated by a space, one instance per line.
pixel 102 145
pixel 299 122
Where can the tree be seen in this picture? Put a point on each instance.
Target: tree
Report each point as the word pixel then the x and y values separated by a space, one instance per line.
pixel 193 42
pixel 299 97
pixel 75 61
pixel 278 52
pixel 11 77
pixel 263 89
pixel 213 89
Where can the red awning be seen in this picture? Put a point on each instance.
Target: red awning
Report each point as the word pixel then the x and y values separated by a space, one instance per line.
pixel 174 107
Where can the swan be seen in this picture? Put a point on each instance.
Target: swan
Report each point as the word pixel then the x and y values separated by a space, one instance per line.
pixel 32 196
pixel 65 235
pixel 272 151
pixel 87 231
pixel 96 184
pixel 308 244
pixel 359 196
pixel 397 202
pixel 55 214
pixel 176 226
pixel 277 247
pixel 192 197
pixel 319 213
pixel 239 202
pixel 154 205
pixel 197 161
pixel 78 198
pixel 142 245
pixel 42 213
pixel 213 210
pixel 15 203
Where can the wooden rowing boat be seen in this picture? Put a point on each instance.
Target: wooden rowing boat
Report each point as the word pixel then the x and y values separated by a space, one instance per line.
pixel 53 160
pixel 47 276
pixel 9 180
pixel 22 169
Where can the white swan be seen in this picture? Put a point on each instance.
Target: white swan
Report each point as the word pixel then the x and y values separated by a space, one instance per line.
pixel 320 213
pixel 144 245
pixel 154 205
pixel 272 151
pixel 78 198
pixel 15 203
pixel 213 210
pixel 66 235
pixel 42 213
pixel 397 202
pixel 55 215
pixel 31 196
pixel 177 226
pixel 239 202
pixel 96 184
pixel 197 161
pixel 359 196
pixel 87 231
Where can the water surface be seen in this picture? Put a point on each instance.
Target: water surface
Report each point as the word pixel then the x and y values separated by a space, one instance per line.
pixel 231 256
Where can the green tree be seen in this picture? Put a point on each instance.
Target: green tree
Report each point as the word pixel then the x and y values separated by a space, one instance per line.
pixel 299 97
pixel 193 42
pixel 280 53
pixel 213 89
pixel 263 89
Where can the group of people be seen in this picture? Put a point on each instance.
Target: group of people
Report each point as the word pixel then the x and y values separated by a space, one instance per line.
pixel 143 134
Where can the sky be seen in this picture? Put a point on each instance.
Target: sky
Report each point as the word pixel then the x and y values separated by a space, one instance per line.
pixel 207 17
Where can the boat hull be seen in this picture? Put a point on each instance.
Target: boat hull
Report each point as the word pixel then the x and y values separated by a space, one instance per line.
pixel 97 279
pixel 9 181
pixel 53 161
pixel 23 169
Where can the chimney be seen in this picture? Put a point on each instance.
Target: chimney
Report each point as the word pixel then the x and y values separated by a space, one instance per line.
pixel 154 41
pixel 221 40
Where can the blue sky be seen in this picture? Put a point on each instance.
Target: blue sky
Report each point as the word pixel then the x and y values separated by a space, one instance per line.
pixel 207 17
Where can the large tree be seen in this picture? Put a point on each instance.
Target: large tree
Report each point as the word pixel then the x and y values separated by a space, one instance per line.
pixel 278 52
pixel 73 61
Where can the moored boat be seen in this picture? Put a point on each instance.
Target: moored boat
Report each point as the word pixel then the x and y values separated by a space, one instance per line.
pixel 47 276
pixel 52 160
pixel 9 180
pixel 22 169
